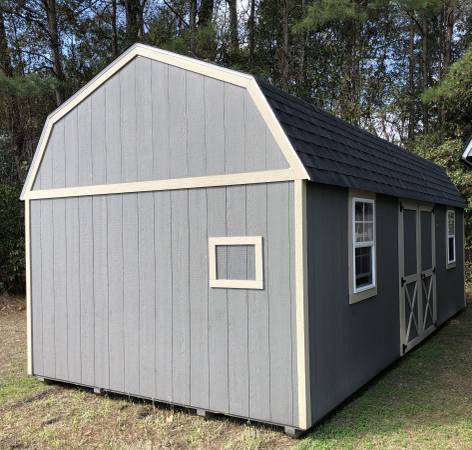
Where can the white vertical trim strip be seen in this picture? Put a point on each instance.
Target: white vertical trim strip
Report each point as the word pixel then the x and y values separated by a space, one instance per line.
pixel 301 299
pixel 28 289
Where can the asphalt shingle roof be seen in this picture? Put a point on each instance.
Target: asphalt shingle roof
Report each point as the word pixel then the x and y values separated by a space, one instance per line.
pixel 338 153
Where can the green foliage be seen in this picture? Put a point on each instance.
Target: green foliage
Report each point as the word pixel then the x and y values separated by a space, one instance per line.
pixel 12 249
pixel 455 91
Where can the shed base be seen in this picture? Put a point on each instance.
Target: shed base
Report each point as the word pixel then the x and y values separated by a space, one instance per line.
pixel 294 432
pixel 205 414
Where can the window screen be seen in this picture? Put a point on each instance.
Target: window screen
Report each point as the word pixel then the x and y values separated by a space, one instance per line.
pixel 235 262
pixel 363 242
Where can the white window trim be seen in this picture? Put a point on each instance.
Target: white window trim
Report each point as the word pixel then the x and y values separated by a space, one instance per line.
pixel 364 292
pixel 257 283
pixel 450 264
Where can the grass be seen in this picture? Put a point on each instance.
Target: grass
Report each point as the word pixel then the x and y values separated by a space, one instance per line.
pixel 423 401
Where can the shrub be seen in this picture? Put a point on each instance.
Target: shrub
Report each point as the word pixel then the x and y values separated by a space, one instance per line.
pixel 12 249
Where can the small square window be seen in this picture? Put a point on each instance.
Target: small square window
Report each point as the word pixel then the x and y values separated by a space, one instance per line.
pixel 236 262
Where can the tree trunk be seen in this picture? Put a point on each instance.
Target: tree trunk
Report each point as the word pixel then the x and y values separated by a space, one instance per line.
pixel 55 46
pixel 284 56
pixel 233 27
pixel 448 24
pixel 193 24
pixel 114 33
pixel 411 82
pixel 425 70
pixel 251 27
pixel 5 60
pixel 205 13
pixel 134 10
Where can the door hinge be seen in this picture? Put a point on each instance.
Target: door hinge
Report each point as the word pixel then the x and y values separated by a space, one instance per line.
pixel 401 207
pixel 403 281
pixel 434 270
pixel 404 347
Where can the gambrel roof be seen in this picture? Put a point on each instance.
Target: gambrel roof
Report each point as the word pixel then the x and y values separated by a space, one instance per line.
pixel 316 145
pixel 338 153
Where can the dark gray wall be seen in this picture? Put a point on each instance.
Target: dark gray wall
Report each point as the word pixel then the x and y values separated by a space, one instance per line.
pixel 449 282
pixel 152 121
pixel 121 298
pixel 349 344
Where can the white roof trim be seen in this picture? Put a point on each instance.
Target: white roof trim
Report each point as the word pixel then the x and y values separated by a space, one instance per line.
pixel 467 152
pixel 211 70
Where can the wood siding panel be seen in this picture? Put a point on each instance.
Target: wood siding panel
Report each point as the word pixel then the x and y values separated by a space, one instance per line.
pixel 147 294
pixel 98 141
pixel 180 297
pixel 218 312
pixel 279 286
pixel 87 294
pixel 47 289
pixel 238 370
pixel 349 343
pixel 113 130
pixel 164 299
pixel 258 314
pixel 71 148
pixel 160 123
pixel 155 121
pixel 84 138
pixel 74 318
pixel 36 286
pixel 131 271
pixel 116 300
pixel 60 288
pixel 129 123
pixel 100 289
pixel 131 292
pixel 144 122
pixel 198 218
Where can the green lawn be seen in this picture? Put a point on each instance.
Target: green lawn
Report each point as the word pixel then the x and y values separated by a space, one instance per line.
pixel 422 402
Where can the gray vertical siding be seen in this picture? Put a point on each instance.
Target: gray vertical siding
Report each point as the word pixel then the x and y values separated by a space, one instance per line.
pixel 449 282
pixel 349 344
pixel 153 121
pixel 121 299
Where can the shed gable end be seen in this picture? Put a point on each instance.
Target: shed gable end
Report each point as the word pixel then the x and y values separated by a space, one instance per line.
pixel 155 121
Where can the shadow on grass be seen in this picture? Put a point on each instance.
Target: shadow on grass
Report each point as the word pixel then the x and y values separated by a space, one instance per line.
pixel 421 401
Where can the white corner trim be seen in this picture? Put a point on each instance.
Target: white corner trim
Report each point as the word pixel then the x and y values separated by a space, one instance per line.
pixel 276 129
pixel 211 70
pixel 232 179
pixel 28 290
pixel 215 282
pixel 301 307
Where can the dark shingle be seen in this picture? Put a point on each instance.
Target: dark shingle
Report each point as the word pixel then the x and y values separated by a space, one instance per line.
pixel 338 153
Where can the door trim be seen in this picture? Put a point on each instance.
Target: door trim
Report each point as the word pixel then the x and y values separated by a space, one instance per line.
pixel 419 276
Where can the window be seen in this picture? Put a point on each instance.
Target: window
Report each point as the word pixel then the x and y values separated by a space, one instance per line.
pixel 451 238
pixel 362 249
pixel 236 262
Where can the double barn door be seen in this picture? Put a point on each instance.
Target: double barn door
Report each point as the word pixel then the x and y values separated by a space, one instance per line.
pixel 417 273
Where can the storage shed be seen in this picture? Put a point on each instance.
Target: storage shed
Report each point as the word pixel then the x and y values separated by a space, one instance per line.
pixel 197 237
